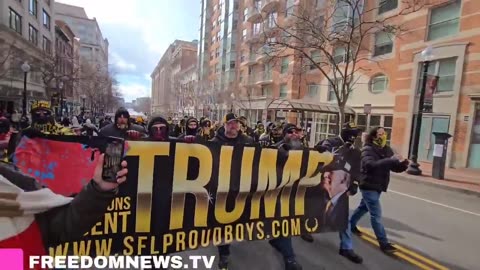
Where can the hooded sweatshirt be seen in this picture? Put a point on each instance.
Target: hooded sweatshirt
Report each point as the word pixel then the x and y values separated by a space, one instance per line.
pixel 158 120
pixel 113 130
pixel 191 132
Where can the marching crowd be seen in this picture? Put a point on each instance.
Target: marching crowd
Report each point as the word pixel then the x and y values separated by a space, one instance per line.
pixel 377 161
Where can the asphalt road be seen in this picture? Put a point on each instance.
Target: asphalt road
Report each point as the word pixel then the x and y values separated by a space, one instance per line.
pixel 440 225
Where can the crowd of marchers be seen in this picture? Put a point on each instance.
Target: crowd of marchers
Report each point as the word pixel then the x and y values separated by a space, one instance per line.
pixel 377 161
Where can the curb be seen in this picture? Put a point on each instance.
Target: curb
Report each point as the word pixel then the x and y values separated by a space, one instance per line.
pixel 444 187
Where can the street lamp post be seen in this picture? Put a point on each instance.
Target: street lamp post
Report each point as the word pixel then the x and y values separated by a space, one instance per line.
pixel 414 167
pixel 25 68
pixel 60 88
pixel 83 104
pixel 232 96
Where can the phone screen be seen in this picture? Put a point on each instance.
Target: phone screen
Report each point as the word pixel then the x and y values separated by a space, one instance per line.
pixel 113 160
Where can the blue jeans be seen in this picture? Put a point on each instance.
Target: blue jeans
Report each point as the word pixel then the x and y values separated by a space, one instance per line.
pixel 282 245
pixel 346 238
pixel 371 203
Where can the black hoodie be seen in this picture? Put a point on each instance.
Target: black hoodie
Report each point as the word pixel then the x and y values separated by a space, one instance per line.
pixel 191 132
pixel 158 120
pixel 112 129
pixel 222 139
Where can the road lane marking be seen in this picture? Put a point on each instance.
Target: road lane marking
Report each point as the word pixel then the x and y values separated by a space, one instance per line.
pixel 406 258
pixel 370 237
pixel 435 203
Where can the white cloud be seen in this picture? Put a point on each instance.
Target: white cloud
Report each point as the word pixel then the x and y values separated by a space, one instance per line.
pixel 147 77
pixel 134 91
pixel 120 63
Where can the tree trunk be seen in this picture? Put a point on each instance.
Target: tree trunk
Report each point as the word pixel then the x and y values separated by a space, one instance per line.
pixel 341 117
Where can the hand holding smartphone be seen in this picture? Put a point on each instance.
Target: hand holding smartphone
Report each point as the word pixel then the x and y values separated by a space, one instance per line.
pixel 113 159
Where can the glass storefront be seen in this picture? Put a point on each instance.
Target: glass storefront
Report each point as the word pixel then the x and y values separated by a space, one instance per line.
pixel 474 157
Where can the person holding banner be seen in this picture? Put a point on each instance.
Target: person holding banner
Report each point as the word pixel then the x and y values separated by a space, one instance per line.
pixel 122 127
pixel 158 129
pixel 33 218
pixel 377 161
pixel 230 134
pixel 191 130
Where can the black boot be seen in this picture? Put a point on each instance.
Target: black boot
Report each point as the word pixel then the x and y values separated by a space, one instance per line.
pixel 356 231
pixel 307 238
pixel 292 264
pixel 223 263
pixel 351 255
pixel 388 248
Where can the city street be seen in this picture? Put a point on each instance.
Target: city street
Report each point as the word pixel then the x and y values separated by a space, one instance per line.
pixel 425 221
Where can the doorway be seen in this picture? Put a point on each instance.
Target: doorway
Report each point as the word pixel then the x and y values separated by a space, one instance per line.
pixel 474 157
pixel 426 144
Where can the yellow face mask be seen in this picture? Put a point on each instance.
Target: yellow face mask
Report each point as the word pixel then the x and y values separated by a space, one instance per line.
pixel 382 141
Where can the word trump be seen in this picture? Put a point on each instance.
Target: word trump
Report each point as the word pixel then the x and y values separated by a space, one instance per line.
pixel 121 262
pixel 271 182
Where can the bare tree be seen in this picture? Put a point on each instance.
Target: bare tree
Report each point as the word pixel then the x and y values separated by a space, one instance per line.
pixel 334 37
pixel 99 87
pixel 6 54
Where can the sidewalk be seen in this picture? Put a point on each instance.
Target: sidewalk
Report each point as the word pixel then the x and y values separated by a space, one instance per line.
pixel 463 180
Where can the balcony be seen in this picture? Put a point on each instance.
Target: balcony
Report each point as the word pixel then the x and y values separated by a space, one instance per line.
pixel 253 36
pixel 270 23
pixel 264 53
pixel 264 78
pixel 248 60
pixel 254 13
pixel 270 5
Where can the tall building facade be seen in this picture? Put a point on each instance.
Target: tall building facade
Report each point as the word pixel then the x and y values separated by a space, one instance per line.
pixel 93 46
pixel 179 56
pixel 27 33
pixel 385 92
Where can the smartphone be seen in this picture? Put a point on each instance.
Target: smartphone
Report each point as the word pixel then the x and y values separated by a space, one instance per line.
pixel 113 158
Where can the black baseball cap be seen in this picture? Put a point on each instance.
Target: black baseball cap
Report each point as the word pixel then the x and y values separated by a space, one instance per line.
pixel 289 127
pixel 230 117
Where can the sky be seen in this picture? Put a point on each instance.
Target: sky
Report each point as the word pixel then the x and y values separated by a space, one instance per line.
pixel 139 31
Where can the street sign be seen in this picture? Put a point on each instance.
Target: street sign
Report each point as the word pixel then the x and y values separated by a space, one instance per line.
pixel 367 108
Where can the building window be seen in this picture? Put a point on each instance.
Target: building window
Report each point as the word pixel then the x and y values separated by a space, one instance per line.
pixel 378 84
pixel 244 34
pixel 283 90
pixel 256 28
pixel 266 91
pixel 47 45
pixel 316 57
pixel 444 21
pixel 290 8
pixel 325 126
pixel 313 90
pixel 245 14
pixel 339 55
pixel 366 122
pixel 387 5
pixel 46 20
pixel 445 70
pixel 383 43
pixel 284 67
pixel 331 93
pixel 15 21
pixel 32 7
pixel 32 35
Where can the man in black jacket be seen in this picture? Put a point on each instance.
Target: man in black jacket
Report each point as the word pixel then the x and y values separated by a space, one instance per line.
pixel 377 161
pixel 344 142
pixel 191 130
pixel 229 133
pixel 159 129
pixel 122 127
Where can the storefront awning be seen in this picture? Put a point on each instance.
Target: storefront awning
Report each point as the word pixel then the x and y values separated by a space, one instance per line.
pixel 303 105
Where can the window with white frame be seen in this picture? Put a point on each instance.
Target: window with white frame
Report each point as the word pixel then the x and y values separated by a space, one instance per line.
pixel 256 28
pixel 272 19
pixel 290 8
pixel 325 126
pixel 445 70
pixel 283 90
pixel 444 21
pixel 245 14
pixel 313 90
pixel 331 93
pixel 344 13
pixel 244 34
pixel 387 5
pixel 366 122
pixel 378 84
pixel 383 43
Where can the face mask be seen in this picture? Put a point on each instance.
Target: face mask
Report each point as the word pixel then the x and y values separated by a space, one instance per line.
pixel 159 133
pixel 382 141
